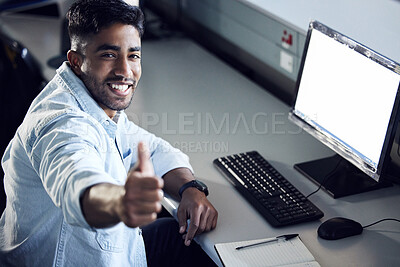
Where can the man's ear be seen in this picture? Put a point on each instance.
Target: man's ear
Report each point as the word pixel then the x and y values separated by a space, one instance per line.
pixel 75 60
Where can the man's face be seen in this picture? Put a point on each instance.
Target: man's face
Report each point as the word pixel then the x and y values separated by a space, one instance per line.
pixel 111 66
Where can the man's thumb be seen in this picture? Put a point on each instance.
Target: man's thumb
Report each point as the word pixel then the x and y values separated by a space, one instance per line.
pixel 144 164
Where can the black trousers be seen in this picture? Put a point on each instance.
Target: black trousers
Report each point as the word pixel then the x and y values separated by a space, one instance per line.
pixel 165 246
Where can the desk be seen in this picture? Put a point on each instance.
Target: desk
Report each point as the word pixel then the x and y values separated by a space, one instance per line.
pixel 207 109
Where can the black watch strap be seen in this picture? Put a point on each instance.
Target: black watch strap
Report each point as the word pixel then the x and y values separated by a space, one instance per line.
pixel 196 184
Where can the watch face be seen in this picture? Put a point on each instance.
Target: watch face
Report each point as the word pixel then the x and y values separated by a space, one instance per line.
pixel 196 184
pixel 201 186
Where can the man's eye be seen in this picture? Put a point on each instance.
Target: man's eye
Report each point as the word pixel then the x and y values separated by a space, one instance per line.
pixel 135 56
pixel 108 55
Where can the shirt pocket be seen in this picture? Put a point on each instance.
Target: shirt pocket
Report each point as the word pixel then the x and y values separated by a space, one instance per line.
pixel 127 159
pixel 111 239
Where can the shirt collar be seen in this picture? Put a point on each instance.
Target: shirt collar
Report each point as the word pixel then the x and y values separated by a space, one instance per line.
pixel 86 102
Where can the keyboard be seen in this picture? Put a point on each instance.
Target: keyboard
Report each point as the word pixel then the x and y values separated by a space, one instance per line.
pixel 271 194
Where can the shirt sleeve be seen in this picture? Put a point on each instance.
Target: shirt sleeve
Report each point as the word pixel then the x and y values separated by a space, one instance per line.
pixel 164 156
pixel 65 155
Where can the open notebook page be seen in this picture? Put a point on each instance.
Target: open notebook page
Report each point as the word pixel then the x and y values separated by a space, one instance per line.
pixel 281 253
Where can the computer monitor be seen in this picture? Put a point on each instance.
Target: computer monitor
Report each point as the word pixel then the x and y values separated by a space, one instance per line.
pixel 348 98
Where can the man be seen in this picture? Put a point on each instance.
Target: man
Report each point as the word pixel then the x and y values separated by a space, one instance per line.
pixel 74 197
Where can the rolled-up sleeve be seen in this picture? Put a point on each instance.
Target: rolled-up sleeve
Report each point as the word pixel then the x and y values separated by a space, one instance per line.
pixel 164 156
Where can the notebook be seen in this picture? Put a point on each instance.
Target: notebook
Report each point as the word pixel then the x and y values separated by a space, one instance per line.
pixel 291 253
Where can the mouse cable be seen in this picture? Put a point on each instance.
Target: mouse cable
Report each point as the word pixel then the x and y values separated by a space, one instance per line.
pixel 326 179
pixel 387 219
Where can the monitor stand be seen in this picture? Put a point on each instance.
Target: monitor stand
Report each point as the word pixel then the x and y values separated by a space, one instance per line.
pixel 338 177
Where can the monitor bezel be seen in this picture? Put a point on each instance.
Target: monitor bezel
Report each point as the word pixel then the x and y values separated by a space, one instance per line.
pixel 328 140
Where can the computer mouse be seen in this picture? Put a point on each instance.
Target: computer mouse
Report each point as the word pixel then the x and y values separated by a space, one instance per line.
pixel 338 227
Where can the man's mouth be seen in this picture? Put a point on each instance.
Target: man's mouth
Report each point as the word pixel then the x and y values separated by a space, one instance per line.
pixel 120 89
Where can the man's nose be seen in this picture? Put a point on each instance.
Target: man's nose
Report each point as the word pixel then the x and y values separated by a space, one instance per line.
pixel 122 68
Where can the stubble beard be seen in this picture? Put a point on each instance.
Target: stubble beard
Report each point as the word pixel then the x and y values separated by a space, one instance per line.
pixel 99 92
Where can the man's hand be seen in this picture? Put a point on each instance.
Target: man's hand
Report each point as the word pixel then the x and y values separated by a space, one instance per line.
pixel 135 204
pixel 194 205
pixel 143 192
pixel 202 215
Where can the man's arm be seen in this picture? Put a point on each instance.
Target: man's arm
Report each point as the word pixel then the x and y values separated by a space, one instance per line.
pixel 137 203
pixel 194 205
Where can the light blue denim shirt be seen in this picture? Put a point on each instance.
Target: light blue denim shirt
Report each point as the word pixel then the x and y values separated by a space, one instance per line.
pixel 65 144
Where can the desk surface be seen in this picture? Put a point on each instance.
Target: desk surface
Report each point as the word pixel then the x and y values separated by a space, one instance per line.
pixel 207 109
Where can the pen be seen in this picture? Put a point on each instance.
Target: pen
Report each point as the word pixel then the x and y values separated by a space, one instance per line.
pixel 284 237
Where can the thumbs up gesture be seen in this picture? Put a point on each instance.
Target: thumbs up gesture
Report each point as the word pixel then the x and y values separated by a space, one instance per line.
pixel 143 192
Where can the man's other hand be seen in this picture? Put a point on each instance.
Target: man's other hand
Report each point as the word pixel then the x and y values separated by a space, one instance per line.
pixel 194 206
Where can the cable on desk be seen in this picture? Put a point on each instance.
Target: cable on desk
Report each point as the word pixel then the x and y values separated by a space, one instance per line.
pixel 326 179
pixel 386 219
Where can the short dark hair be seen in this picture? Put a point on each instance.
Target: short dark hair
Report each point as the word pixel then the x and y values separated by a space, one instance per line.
pixel 86 17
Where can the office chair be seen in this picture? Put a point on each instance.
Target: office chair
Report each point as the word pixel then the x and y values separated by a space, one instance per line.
pixel 21 80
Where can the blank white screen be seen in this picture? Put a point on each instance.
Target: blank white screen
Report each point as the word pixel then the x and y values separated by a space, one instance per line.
pixel 347 94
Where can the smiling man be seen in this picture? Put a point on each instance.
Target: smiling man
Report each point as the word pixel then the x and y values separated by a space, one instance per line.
pixel 83 183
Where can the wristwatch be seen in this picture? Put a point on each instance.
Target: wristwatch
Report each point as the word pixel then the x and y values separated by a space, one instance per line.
pixel 196 184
